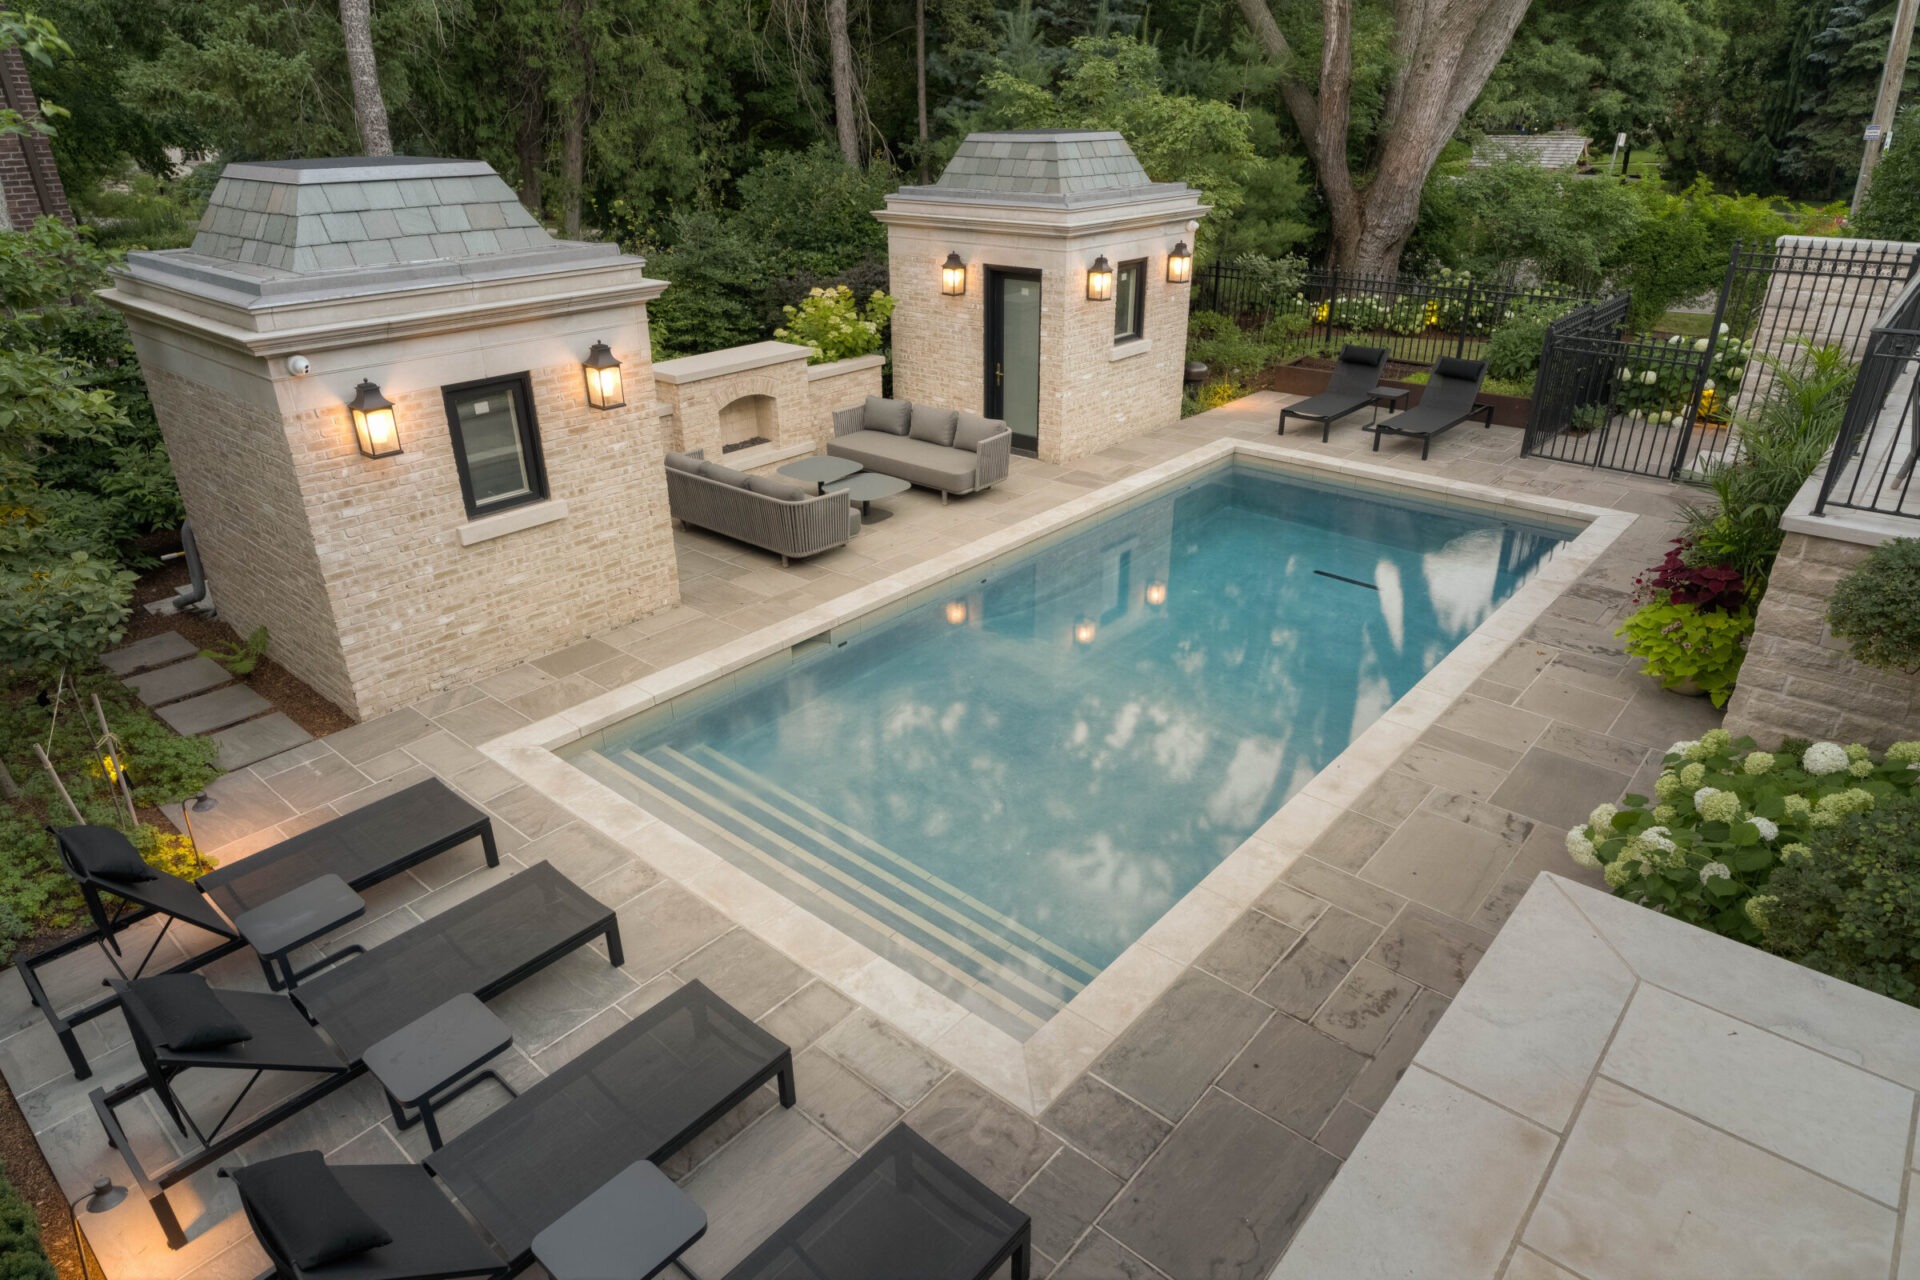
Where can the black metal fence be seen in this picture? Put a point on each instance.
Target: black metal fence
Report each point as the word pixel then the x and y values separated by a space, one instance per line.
pixel 1872 464
pixel 1418 319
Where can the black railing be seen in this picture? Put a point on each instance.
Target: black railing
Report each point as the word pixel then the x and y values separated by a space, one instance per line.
pixel 1418 319
pixel 1872 464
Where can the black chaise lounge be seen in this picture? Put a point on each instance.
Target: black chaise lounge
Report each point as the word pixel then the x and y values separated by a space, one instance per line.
pixel 902 1209
pixel 363 848
pixel 481 947
pixel 1356 377
pixel 642 1093
pixel 1449 400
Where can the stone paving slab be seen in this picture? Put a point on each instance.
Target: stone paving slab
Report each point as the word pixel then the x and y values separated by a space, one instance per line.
pixel 178 680
pixel 216 710
pixel 256 740
pixel 154 651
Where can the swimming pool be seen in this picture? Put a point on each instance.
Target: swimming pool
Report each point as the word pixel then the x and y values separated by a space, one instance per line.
pixel 1003 785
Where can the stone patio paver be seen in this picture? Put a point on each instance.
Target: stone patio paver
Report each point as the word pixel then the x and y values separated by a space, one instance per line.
pixel 206 712
pixel 254 741
pixel 178 680
pixel 154 651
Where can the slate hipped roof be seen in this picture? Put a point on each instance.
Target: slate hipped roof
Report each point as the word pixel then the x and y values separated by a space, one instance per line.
pixel 331 215
pixel 1059 167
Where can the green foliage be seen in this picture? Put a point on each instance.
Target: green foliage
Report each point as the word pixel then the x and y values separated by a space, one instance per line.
pixel 240 658
pixel 1726 822
pixel 1682 643
pixel 57 613
pixel 21 1255
pixel 145 212
pixel 1229 351
pixel 1876 608
pixel 1513 217
pixel 1850 906
pixel 829 323
pixel 1680 247
pixel 1513 351
pixel 1891 210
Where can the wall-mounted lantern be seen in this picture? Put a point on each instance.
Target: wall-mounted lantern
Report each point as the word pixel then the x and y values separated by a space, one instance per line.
pixel 373 426
pixel 1084 631
pixel 1156 593
pixel 953 276
pixel 1100 280
pixel 604 390
pixel 1180 264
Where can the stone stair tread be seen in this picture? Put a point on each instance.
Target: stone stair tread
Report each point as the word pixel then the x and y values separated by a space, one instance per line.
pixel 154 651
pixel 206 712
pixel 254 740
pixel 179 680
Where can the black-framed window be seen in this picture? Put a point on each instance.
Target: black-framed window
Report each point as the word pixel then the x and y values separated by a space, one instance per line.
pixel 1130 300
pixel 496 443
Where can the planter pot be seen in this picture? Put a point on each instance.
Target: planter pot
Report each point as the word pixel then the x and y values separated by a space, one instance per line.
pixel 1308 376
pixel 1686 689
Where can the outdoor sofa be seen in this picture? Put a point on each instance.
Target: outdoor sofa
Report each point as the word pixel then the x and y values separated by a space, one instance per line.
pixel 1449 400
pixel 372 844
pixel 926 445
pixel 761 511
pixel 1353 386
pixel 481 947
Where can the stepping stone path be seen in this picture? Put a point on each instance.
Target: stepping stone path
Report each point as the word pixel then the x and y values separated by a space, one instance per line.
pixel 196 695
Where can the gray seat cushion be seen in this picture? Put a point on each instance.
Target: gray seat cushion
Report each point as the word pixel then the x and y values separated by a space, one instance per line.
pixel 972 428
pixel 773 488
pixel 725 475
pixel 891 416
pixel 934 425
pixel 928 465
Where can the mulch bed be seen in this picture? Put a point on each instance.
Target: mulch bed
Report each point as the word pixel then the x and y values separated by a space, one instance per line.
pixel 27 1170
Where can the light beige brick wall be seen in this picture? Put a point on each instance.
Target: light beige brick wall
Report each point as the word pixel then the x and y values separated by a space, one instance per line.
pixel 1799 679
pixel 841 384
pixel 698 406
pixel 356 565
pixel 1088 400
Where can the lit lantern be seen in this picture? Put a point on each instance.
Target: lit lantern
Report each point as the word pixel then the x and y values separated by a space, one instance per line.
pixel 1156 593
pixel 1180 264
pixel 953 276
pixel 373 427
pixel 956 611
pixel 1083 631
pixel 1100 280
pixel 603 378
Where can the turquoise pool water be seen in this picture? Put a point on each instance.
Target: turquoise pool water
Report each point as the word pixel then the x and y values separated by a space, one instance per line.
pixel 1003 787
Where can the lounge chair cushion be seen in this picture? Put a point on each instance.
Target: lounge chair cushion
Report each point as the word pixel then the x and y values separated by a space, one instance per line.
pixel 299 1202
pixel 972 429
pixel 1453 367
pixel 776 488
pixel 106 854
pixel 189 1015
pixel 933 425
pixel 915 461
pixel 725 475
pixel 895 417
pixel 684 462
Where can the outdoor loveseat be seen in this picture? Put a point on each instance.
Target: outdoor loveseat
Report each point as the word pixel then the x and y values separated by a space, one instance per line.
pixel 364 848
pixel 932 447
pixel 761 511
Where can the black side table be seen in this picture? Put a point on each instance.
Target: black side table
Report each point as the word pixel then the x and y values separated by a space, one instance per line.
pixel 632 1228
pixel 278 927
pixel 1395 398
pixel 421 1059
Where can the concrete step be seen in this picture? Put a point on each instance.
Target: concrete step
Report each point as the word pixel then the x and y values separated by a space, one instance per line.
pixel 154 651
pixel 255 740
pixel 178 680
pixel 209 711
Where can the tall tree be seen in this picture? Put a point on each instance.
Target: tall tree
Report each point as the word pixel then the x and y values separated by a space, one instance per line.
pixel 846 121
pixel 1442 52
pixel 369 108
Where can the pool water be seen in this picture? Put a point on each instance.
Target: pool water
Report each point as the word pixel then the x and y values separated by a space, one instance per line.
pixel 1002 787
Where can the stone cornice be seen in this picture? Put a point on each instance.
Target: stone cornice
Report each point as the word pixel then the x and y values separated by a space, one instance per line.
pixel 1042 221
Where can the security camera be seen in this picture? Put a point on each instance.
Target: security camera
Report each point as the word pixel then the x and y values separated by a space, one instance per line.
pixel 299 366
pixel 1193 226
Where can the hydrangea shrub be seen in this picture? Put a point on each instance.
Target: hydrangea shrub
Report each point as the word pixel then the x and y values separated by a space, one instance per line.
pixel 828 322
pixel 1724 815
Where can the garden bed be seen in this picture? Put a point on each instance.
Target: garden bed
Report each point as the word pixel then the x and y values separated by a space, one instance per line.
pixel 1308 376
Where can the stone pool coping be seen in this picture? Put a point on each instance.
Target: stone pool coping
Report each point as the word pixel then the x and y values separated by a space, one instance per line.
pixel 1032 1074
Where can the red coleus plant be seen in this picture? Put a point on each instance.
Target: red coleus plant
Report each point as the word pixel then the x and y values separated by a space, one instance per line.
pixel 1714 588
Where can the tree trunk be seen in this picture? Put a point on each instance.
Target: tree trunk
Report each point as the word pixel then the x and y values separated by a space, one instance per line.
pixel 1444 52
pixel 840 43
pixel 369 108
pixel 920 76
pixel 530 140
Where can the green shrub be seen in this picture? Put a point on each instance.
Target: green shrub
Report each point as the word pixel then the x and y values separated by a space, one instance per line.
pixel 1682 643
pixel 241 657
pixel 1891 210
pixel 1849 905
pixel 1230 351
pixel 1513 352
pixel 829 323
pixel 1876 608
pixel 21 1254
pixel 1725 821
pixel 62 612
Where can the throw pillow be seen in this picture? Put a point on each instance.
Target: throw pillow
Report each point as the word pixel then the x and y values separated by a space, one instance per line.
pixel 890 416
pixel 299 1202
pixel 970 429
pixel 189 1014
pixel 935 426
pixel 104 853
pixel 776 488
pixel 725 475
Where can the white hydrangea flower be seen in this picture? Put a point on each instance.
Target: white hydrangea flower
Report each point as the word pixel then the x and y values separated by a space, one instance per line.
pixel 1658 838
pixel 1700 344
pixel 1602 817
pixel 1768 829
pixel 1580 848
pixel 1693 774
pixel 1757 763
pixel 1683 746
pixel 1861 768
pixel 1717 806
pixel 1704 794
pixel 1619 872
pixel 1707 385
pixel 1650 377
pixel 1715 871
pixel 1823 758
pixel 1723 330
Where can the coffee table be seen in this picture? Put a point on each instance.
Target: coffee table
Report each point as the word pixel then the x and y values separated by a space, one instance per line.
pixel 820 470
pixel 866 488
pixel 632 1228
